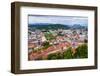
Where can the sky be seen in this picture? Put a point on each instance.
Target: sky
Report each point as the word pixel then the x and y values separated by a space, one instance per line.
pixel 67 20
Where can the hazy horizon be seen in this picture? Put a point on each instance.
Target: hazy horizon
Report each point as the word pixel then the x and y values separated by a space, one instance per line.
pixel 66 20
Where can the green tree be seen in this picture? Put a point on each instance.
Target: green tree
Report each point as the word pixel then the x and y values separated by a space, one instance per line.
pixel 55 56
pixel 59 55
pixel 46 45
pixel 51 56
pixel 82 51
pixel 68 54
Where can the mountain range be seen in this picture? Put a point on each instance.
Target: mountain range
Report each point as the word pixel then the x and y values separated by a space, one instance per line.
pixel 56 26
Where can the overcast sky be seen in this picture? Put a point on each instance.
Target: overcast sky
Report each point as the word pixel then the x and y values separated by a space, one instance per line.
pixel 68 20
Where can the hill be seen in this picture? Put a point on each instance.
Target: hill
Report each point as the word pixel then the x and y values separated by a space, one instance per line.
pixel 48 26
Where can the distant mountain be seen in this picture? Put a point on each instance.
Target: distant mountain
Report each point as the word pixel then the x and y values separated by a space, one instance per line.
pixel 39 24
pixel 78 26
pixel 49 26
pixel 55 26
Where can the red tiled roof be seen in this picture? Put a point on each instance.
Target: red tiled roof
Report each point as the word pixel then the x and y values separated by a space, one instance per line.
pixel 31 45
pixel 50 49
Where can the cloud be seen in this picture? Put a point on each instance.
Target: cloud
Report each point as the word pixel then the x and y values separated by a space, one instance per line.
pixel 68 20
